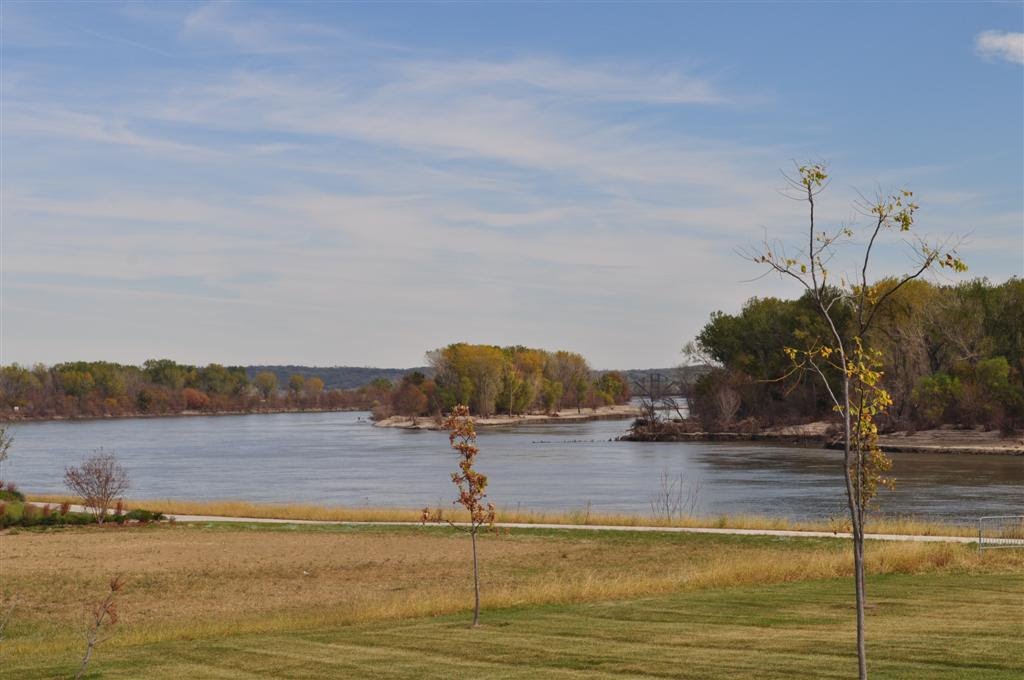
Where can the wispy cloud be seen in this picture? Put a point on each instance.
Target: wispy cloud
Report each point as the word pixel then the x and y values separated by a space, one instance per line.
pixel 1004 45
pixel 279 163
pixel 642 83
pixel 253 31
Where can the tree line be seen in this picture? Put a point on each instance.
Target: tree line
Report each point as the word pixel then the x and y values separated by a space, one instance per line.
pixel 952 355
pixel 503 380
pixel 163 387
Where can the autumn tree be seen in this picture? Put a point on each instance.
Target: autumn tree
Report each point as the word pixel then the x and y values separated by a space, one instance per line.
pixel 314 387
pixel 843 361
pixel 98 482
pixel 472 488
pixel 409 400
pixel 296 383
pixel 266 383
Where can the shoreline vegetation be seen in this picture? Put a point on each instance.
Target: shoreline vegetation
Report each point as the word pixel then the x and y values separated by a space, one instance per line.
pixel 564 416
pixel 582 516
pixel 951 355
pixel 9 419
pixel 975 441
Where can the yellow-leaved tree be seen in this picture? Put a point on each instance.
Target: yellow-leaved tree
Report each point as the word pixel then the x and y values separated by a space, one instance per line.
pixel 849 369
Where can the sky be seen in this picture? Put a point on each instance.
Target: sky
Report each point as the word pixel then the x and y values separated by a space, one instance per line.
pixel 358 183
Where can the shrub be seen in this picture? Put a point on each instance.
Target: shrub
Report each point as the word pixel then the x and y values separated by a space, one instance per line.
pixel 140 515
pixel 194 399
pixel 98 481
pixel 12 495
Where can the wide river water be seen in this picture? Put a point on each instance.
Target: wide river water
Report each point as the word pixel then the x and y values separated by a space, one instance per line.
pixel 340 459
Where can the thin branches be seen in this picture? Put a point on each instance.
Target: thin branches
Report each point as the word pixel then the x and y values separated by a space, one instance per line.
pixel 102 617
pixel 857 367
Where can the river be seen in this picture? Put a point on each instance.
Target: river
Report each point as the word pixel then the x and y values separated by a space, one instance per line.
pixel 340 459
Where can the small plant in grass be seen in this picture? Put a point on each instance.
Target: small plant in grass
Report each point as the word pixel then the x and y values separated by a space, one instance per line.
pixel 472 488
pixel 102 618
pixel 98 481
pixel 5 617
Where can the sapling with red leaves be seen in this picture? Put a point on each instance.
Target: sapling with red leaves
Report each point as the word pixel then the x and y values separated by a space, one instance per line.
pixel 102 618
pixel 472 488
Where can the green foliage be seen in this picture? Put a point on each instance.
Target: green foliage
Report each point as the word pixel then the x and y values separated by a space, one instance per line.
pixel 21 514
pixel 936 396
pixel 165 372
pixel 950 354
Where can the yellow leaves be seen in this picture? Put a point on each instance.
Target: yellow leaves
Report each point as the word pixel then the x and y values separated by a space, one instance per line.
pixel 951 261
pixel 812 175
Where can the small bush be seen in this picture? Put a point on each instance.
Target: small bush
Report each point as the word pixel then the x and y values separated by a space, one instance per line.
pixel 140 515
pixel 12 496
pixel 9 492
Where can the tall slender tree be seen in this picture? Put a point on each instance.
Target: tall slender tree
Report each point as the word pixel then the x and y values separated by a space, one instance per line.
pixel 848 368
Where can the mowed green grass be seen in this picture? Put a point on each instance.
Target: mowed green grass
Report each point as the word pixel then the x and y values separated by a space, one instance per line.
pixel 920 626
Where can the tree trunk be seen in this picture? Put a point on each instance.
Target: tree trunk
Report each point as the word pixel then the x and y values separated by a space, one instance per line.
pixel 476 585
pixel 90 643
pixel 858 566
pixel 857 529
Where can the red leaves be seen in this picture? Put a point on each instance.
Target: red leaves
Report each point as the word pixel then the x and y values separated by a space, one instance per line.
pixel 471 484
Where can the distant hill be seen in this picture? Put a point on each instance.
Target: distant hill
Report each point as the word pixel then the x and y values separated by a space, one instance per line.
pixel 337 377
pixel 349 377
pixel 683 374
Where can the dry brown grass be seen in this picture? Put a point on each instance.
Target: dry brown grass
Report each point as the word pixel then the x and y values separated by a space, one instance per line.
pixel 232 508
pixel 187 581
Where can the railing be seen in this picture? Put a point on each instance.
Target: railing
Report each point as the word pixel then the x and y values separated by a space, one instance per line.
pixel 1000 531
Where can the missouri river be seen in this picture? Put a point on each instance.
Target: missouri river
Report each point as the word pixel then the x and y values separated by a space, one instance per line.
pixel 340 459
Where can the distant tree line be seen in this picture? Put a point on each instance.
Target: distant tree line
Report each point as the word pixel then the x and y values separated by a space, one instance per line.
pixel 336 377
pixel 503 380
pixel 953 355
pixel 162 387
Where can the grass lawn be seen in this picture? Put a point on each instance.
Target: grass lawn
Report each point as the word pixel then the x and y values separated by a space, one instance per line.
pixel 222 601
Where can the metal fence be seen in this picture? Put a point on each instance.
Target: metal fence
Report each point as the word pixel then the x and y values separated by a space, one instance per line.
pixel 1000 531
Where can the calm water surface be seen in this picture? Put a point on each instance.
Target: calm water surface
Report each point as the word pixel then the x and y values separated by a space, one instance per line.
pixel 339 458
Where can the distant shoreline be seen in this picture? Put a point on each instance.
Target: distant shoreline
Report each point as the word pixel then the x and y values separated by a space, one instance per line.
pixel 942 441
pixel 179 414
pixel 618 412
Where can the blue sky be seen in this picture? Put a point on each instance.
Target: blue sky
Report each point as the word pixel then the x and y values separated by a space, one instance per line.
pixel 330 183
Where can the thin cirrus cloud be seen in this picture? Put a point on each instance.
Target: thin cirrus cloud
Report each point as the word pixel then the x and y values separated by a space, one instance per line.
pixel 1004 45
pixel 353 188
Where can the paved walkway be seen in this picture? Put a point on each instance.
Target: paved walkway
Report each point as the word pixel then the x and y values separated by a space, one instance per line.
pixel 598 527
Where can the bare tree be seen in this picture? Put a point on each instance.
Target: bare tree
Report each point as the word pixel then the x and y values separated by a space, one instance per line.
pixel 674 498
pixel 98 481
pixel 850 370
pixel 727 402
pixel 102 617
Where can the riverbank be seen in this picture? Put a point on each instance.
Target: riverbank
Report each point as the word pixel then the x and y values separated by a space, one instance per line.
pixel 942 441
pixel 616 412
pixel 8 419
pixel 298 512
